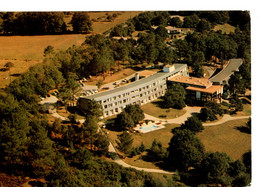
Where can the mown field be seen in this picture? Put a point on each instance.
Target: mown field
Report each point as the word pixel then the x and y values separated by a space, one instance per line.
pixel 26 51
pixel 223 138
pixel 225 28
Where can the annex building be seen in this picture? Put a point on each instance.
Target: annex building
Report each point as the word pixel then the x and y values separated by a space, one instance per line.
pixel 140 91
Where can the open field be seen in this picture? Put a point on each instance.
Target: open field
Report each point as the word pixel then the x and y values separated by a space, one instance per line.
pixel 225 28
pixel 31 47
pixel 226 138
pixel 20 66
pixel 153 108
pixel 223 138
pixel 100 27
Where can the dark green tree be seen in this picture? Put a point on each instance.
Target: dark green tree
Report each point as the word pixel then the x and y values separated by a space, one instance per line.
pixel 135 112
pixel 176 22
pixel 207 114
pixel 193 124
pixel 215 166
pixel 81 22
pixel 175 96
pixel 156 151
pixel 247 160
pixel 125 142
pixel 124 121
pixel 204 25
pixel 185 150
pixel 89 107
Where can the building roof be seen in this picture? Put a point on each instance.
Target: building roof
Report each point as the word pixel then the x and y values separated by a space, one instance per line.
pixel 212 89
pixel 201 82
pixel 225 73
pixel 136 84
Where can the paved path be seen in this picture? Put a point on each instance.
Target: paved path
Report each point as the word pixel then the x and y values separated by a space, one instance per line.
pixel 189 111
pixel 122 163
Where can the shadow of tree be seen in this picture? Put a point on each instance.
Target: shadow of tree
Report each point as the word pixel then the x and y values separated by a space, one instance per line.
pixel 243 129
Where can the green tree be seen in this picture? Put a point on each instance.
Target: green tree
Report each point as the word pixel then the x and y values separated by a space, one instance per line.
pixel 40 146
pixel 135 112
pixel 101 143
pixel 124 121
pixel 185 150
pixel 174 97
pixel 176 22
pixel 156 151
pixel 125 142
pixel 89 107
pixel 215 166
pixel 236 168
pixel 193 124
pixel 204 25
pixel 14 121
pixel 247 160
pixel 48 50
pixel 161 31
pixel 207 114
pixel 81 22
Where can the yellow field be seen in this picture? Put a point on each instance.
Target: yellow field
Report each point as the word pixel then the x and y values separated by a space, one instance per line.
pixel 26 51
pixel 20 66
pixel 226 138
pixel 225 28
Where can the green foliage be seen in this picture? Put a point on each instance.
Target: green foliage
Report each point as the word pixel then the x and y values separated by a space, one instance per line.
pixel 236 102
pixel 191 21
pixel 125 142
pixel 129 117
pixel 89 107
pixel 204 25
pixel 14 121
pixel 247 160
pixel 143 21
pixel 215 166
pixel 81 22
pixel 176 22
pixel 185 150
pixel 48 50
pixel 156 151
pixel 193 124
pixel 242 180
pixel 175 96
pixel 207 114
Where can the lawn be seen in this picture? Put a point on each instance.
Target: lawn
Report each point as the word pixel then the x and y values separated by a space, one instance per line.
pixel 20 66
pixel 226 138
pixel 225 28
pixel 155 109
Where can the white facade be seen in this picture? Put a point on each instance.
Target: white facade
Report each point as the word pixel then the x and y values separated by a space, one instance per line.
pixel 139 92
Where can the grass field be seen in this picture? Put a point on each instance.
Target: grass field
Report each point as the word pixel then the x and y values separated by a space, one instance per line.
pixel 20 66
pixel 153 108
pixel 225 28
pixel 226 138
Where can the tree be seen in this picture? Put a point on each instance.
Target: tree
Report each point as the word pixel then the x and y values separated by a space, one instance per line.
pixel 81 22
pixel 156 151
pixel 204 25
pixel 135 112
pixel 161 31
pixel 89 107
pixel 207 114
pixel 236 83
pixel 89 131
pixel 193 124
pixel 174 97
pixel 40 146
pixel 124 121
pixel 14 121
pixel 236 168
pixel 185 150
pixel 8 66
pixel 101 143
pixel 125 142
pixel 248 124
pixel 247 160
pixel 215 166
pixel 176 22
pixel 48 50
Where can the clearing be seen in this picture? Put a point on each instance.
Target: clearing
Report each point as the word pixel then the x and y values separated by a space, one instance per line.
pixel 225 28
pixel 20 66
pixel 155 109
pixel 227 138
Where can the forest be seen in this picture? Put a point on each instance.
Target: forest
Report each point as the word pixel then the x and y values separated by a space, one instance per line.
pixel 73 155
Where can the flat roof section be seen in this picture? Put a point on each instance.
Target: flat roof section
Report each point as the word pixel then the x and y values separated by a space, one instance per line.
pixel 202 82
pixel 212 89
pixel 225 73
pixel 143 82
